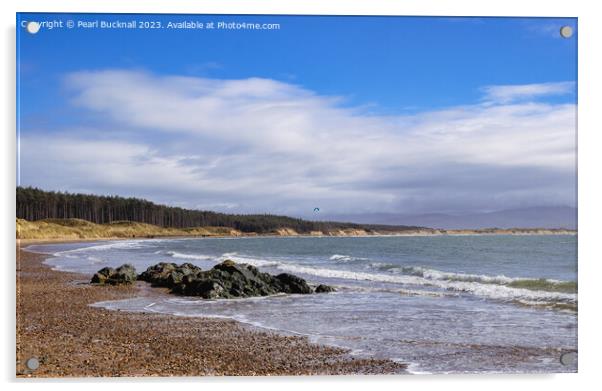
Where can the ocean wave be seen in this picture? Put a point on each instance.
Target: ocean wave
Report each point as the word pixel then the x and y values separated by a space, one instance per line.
pixel 492 291
pixel 538 284
pixel 346 258
pixel 232 256
pixel 199 257
pixel 339 257
pixel 433 274
pixel 383 266
pixel 400 291
pixel 234 301
pixel 95 260
pixel 545 285
pixel 249 260
pixel 493 287
pixel 565 307
pixel 125 245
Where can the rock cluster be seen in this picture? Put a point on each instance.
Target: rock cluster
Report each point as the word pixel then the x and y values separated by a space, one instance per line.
pixel 124 274
pixel 168 274
pixel 226 280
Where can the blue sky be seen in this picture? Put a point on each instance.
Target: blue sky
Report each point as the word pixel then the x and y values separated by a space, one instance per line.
pixel 369 90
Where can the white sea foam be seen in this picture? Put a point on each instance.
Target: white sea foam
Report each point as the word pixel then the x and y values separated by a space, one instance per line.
pixel 249 260
pixel 486 290
pixel 233 256
pixel 481 285
pixel 95 260
pixel 125 244
pixel 433 274
pixel 412 368
pixel 346 258
pixel 115 245
pixel 341 258
pixel 200 257
pixel 401 291
pixel 201 302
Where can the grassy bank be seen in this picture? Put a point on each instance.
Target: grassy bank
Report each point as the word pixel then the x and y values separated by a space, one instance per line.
pixel 72 229
pixel 77 229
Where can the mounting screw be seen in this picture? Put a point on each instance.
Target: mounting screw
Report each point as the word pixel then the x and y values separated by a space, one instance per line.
pixel 33 363
pixel 566 31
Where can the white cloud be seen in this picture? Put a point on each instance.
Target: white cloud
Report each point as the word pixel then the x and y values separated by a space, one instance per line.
pixel 70 163
pixel 512 93
pixel 263 145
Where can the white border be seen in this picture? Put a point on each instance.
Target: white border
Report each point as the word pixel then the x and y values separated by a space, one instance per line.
pixel 590 194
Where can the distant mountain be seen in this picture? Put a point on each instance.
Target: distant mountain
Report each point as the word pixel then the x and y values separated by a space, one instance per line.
pixel 535 217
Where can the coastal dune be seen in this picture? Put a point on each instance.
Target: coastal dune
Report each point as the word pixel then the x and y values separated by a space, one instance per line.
pixel 73 229
pixel 77 229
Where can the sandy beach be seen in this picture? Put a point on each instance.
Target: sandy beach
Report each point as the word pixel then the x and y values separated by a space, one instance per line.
pixel 71 339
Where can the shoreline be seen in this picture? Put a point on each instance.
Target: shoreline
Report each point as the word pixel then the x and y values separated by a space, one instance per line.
pixel 29 241
pixel 56 324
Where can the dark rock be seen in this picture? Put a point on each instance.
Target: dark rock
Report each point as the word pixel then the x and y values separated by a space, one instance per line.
pixel 101 276
pixel 124 274
pixel 224 281
pixel 207 289
pixel 324 289
pixel 240 272
pixel 227 280
pixel 293 284
pixel 227 263
pixel 157 272
pixel 168 274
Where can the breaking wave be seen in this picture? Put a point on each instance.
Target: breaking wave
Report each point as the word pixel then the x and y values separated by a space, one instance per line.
pixel 542 284
pixel 198 257
pixel 492 291
pixel 500 287
pixel 345 258
pixel 120 245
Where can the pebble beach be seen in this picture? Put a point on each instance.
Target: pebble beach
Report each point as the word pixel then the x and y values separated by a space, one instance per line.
pixel 56 325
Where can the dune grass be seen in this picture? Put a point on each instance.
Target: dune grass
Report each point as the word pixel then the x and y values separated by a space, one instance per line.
pixel 73 229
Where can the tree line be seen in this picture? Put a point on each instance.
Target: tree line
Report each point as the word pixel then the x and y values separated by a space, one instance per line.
pixel 36 204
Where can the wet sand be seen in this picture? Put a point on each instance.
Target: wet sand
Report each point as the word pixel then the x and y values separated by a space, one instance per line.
pixel 71 339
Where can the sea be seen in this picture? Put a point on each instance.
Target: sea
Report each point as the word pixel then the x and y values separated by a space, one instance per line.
pixel 441 304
